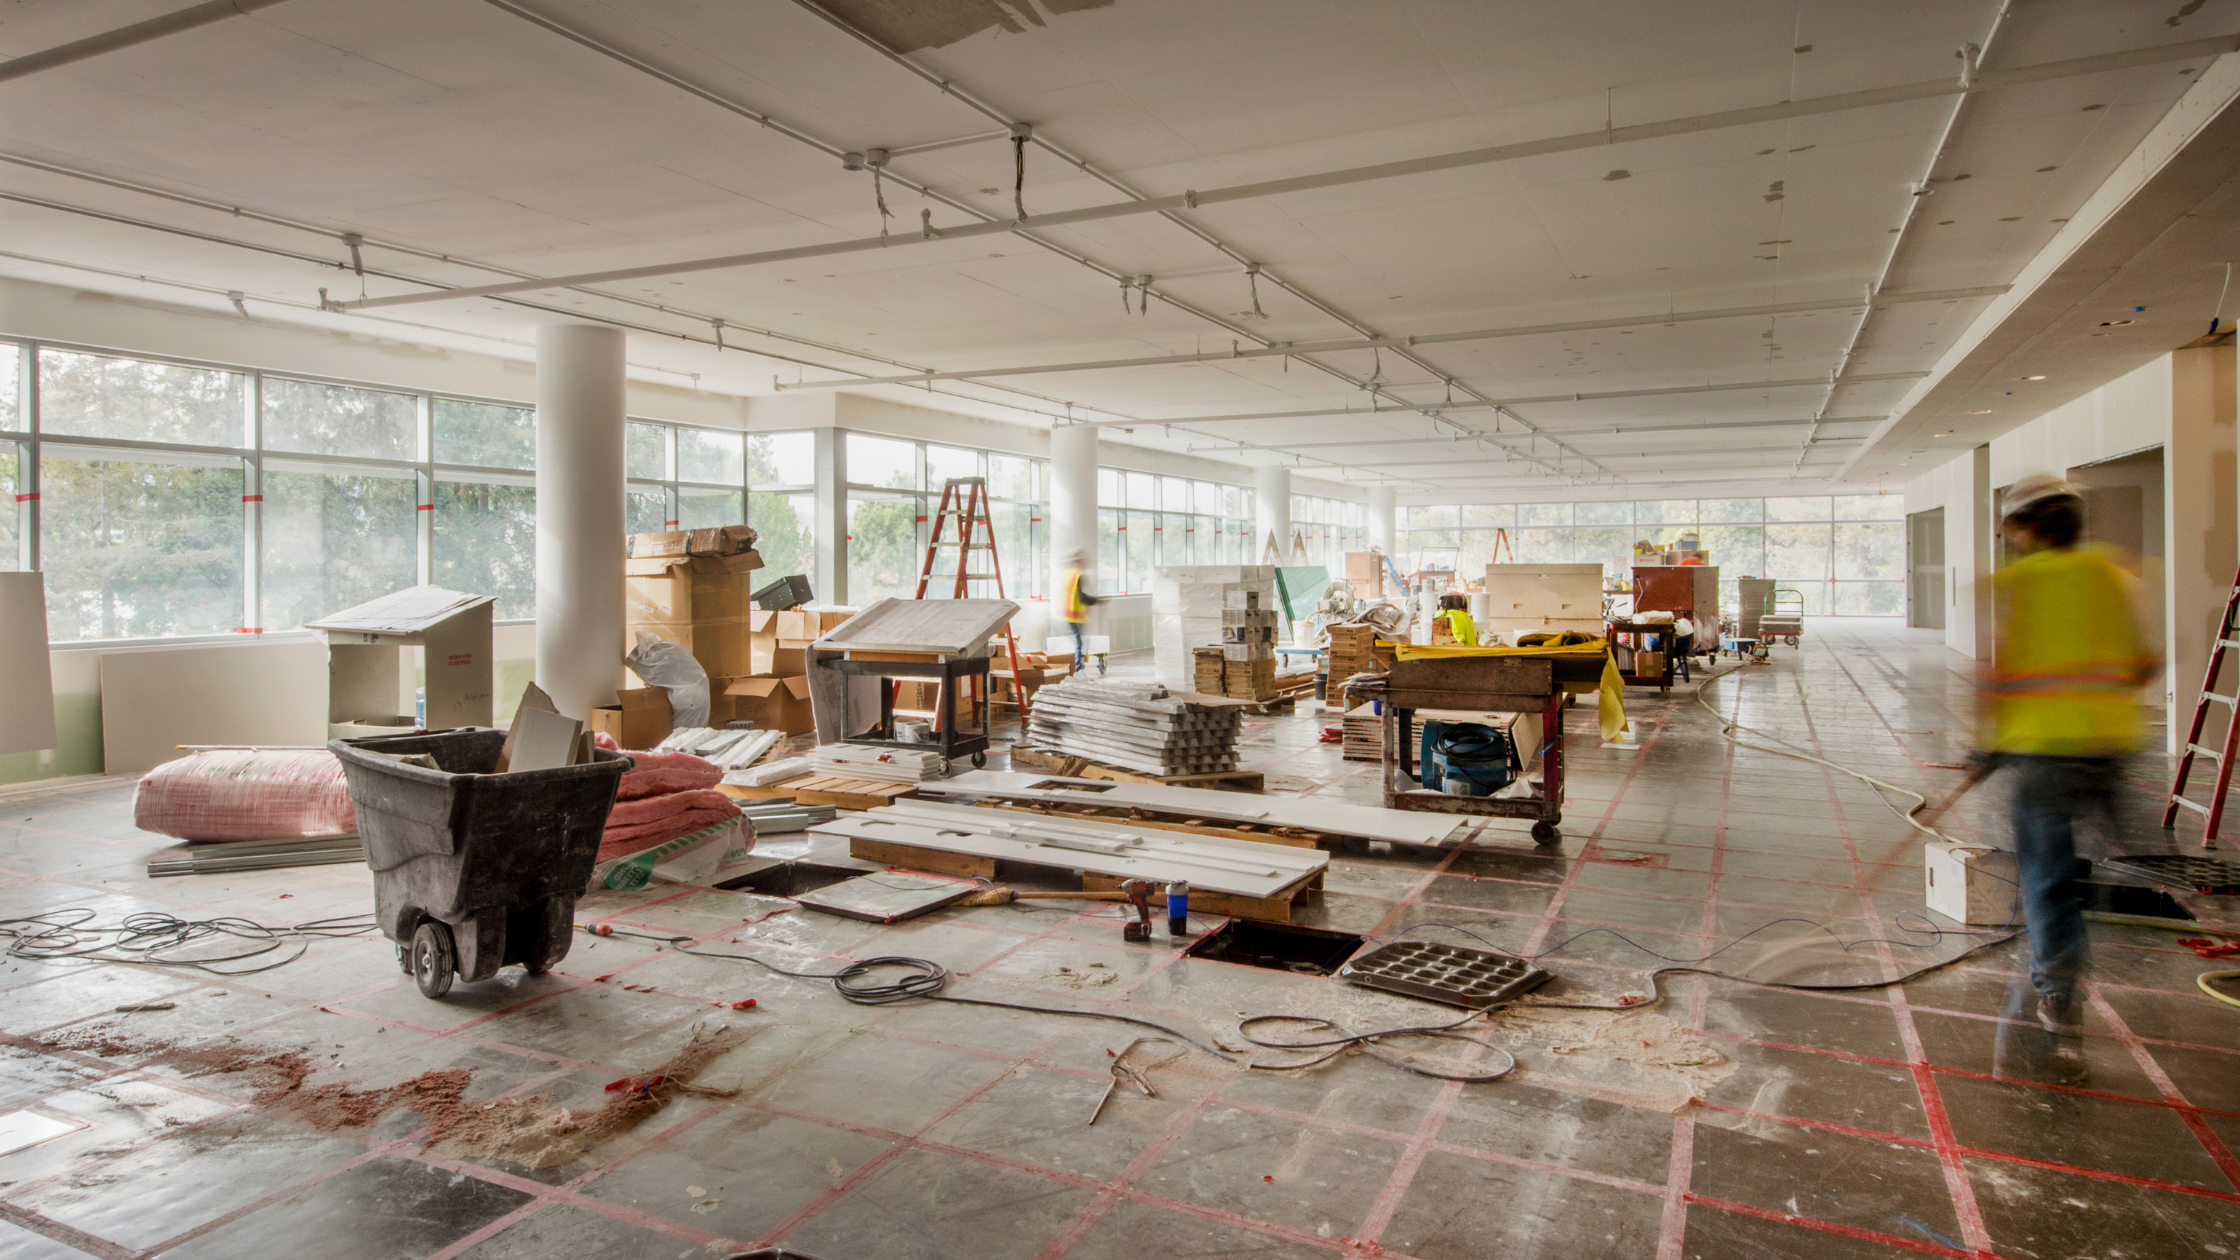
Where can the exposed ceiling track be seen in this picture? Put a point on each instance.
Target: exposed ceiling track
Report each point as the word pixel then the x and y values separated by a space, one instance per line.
pixel 1933 89
pixel 1697 426
pixel 1013 127
pixel 154 28
pixel 1802 382
pixel 1286 349
pixel 1625 489
pixel 1676 452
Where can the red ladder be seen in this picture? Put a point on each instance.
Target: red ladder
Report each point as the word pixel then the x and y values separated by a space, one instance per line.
pixel 2214 810
pixel 965 501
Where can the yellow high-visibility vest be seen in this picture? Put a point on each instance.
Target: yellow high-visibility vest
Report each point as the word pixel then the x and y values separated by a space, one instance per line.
pixel 1073 609
pixel 2069 661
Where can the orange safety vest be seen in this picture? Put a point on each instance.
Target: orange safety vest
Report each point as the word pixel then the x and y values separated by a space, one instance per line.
pixel 2069 662
pixel 1073 610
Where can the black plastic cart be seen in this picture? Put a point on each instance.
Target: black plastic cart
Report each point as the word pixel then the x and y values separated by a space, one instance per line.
pixel 473 870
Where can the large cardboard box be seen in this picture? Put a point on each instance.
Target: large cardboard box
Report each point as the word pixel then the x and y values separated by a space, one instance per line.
pixel 639 720
pixel 772 704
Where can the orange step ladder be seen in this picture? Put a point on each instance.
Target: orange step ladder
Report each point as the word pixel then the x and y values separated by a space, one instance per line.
pixel 2213 812
pixel 964 500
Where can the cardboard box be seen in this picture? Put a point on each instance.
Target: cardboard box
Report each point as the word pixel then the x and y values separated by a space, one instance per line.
pixel 639 720
pixel 657 592
pixel 772 704
pixel 1648 663
pixel 723 540
pixel 661 544
pixel 1971 885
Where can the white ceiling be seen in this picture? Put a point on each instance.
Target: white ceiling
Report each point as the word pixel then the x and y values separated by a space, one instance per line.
pixel 459 130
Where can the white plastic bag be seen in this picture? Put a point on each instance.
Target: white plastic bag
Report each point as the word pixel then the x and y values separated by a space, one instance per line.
pixel 665 665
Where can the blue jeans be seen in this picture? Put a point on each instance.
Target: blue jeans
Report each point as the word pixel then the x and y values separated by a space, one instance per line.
pixel 2050 795
pixel 1080 657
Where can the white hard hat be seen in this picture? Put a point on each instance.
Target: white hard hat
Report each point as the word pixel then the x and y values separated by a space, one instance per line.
pixel 2037 488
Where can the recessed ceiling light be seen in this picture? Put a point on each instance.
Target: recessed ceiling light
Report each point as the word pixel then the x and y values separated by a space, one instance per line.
pixel 1985 412
pixel 2117 323
pixel 2039 377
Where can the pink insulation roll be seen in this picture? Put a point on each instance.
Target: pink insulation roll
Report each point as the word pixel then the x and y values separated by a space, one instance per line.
pixel 657 774
pixel 245 794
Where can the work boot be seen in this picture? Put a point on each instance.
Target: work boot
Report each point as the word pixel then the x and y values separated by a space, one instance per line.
pixel 2063 1016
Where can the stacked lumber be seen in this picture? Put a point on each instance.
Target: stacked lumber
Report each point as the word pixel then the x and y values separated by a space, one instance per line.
pixel 1364 735
pixel 879 763
pixel 1137 726
pixel 1353 650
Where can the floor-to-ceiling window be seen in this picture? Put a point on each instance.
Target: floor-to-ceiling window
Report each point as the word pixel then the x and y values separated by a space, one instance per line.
pixel 1841 555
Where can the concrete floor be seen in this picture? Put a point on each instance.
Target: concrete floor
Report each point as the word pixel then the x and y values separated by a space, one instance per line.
pixel 1729 1121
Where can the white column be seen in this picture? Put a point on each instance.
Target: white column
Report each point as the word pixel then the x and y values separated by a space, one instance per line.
pixel 1271 515
pixel 1073 502
pixel 830 579
pixel 579 515
pixel 2197 479
pixel 1383 521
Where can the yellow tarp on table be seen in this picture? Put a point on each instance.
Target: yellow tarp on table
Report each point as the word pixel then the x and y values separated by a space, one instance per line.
pixel 1610 707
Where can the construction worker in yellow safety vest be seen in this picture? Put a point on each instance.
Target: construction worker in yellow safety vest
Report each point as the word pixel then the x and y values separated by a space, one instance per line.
pixel 1454 613
pixel 2060 706
pixel 1074 602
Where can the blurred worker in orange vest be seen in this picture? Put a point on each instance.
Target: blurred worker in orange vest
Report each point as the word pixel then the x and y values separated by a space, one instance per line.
pixel 1074 602
pixel 2061 706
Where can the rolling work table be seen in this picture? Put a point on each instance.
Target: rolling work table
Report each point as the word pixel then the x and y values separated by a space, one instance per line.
pixel 1492 680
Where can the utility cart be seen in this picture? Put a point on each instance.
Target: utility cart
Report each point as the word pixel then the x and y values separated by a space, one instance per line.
pixel 942 639
pixel 1783 617
pixel 1479 684
pixel 475 870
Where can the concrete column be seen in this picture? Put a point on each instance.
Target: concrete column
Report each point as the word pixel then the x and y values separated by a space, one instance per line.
pixel 2199 507
pixel 1073 501
pixel 830 581
pixel 579 515
pixel 1384 521
pixel 1271 515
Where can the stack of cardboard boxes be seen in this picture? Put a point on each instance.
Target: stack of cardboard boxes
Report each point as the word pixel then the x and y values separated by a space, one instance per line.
pixel 1248 647
pixel 695 588
pixel 1354 650
pixel 1206 671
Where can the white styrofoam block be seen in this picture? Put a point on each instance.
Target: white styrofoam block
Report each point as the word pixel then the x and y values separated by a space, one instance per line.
pixel 1971 884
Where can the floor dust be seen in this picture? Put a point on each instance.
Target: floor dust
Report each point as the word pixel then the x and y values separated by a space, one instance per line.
pixel 528 1131
pixel 1637 1059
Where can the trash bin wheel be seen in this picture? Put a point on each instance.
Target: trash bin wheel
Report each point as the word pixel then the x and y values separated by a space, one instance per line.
pixel 979 759
pixel 432 958
pixel 1545 832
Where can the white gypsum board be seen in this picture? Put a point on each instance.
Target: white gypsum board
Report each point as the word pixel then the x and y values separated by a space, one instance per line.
pixel 946 627
pixel 1369 822
pixel 1213 863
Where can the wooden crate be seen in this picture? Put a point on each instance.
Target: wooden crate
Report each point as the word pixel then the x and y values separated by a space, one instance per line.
pixel 825 789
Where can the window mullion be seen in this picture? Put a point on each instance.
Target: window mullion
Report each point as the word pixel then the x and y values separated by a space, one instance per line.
pixel 424 501
pixel 27 465
pixel 252 503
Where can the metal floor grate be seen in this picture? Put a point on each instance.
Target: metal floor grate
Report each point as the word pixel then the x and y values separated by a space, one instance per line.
pixel 2213 877
pixel 1451 974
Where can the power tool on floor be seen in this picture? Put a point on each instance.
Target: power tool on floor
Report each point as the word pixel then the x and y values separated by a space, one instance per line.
pixel 1139 892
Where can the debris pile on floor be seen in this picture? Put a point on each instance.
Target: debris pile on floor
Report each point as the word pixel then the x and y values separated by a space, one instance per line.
pixel 1137 726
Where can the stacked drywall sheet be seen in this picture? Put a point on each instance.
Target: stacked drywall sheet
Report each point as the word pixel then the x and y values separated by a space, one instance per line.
pixel 879 763
pixel 1136 726
pixel 1188 606
pixel 1241 868
pixel 1367 822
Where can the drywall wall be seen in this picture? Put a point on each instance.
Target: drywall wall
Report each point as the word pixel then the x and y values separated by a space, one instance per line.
pixel 154 699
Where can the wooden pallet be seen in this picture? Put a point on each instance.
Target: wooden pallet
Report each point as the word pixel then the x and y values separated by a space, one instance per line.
pixel 824 789
pixel 1074 767
pixel 1275 909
